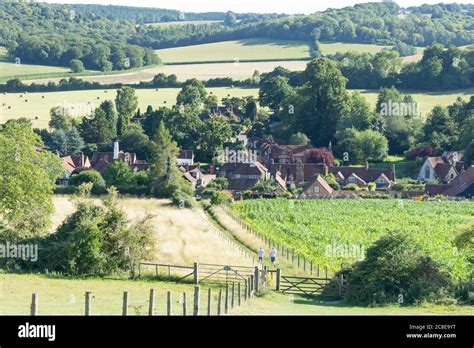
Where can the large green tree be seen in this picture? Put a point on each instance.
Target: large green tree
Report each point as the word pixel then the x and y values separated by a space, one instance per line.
pixel 323 102
pixel 126 103
pixel 27 176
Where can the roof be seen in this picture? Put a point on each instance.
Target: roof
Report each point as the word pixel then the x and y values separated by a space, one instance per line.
pixel 462 182
pixel 442 169
pixel 74 163
pixel 358 178
pixel 242 184
pixel 255 168
pixel 280 180
pixel 186 154
pixel 322 182
pixel 383 177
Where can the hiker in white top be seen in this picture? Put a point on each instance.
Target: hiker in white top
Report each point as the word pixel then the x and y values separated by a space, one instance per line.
pixel 273 255
pixel 261 255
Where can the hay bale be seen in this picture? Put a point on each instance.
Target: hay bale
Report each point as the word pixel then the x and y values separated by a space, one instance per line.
pixel 9 107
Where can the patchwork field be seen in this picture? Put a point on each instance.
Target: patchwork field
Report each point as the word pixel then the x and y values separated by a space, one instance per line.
pixel 331 232
pixel 80 103
pixel 239 50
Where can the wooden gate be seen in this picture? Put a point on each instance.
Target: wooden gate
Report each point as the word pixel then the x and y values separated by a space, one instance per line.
pixel 302 285
pixel 213 273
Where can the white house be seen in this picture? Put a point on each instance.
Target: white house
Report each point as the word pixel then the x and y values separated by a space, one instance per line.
pixel 185 158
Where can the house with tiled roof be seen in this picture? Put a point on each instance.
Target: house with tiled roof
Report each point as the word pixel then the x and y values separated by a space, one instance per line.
pixel 74 165
pixel 100 160
pixel 461 186
pixel 444 168
pixel 317 187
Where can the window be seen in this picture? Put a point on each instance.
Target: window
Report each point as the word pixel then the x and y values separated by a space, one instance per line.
pixel 316 189
pixel 427 172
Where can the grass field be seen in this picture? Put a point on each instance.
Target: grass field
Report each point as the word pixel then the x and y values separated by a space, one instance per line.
pixel 184 236
pixel 167 24
pixel 315 227
pixel 426 100
pixel 80 103
pixel 62 296
pixel 241 50
pixel 330 48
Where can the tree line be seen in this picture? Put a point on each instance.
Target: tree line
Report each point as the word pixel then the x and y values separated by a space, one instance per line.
pixel 371 23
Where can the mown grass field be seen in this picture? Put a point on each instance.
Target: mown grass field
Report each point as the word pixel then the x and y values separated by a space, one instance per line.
pixel 315 228
pixel 80 103
pixel 238 50
pixel 167 24
pixel 330 48
pixel 63 296
pixel 426 100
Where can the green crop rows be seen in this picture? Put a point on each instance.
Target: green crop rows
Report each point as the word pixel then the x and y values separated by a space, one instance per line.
pixel 313 227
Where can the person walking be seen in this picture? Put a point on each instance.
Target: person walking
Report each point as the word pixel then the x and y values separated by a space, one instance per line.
pixel 261 255
pixel 273 255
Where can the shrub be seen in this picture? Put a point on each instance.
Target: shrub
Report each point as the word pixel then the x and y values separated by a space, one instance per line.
pixel 351 187
pixel 89 176
pixel 371 186
pixel 220 197
pixel 76 66
pixel 396 265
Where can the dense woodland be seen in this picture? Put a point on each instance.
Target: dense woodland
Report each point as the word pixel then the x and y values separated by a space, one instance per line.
pixel 44 34
pixel 375 23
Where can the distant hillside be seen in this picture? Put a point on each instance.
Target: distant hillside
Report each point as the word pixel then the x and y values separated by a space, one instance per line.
pixel 371 23
pixel 142 15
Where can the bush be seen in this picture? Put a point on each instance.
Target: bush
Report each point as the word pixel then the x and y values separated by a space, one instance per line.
pixel 89 176
pixel 221 197
pixel 396 269
pixel 351 187
pixel 371 186
pixel 76 66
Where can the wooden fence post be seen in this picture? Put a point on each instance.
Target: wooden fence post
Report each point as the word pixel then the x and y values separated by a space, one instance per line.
pixel 298 261
pixel 209 294
pixel 326 271
pixel 151 308
pixel 168 303
pixel 196 301
pixel 125 303
pixel 232 296
pixel 304 264
pixel 278 279
pixel 226 300
pixel 251 287
pixel 34 304
pixel 219 301
pixel 246 290
pixel 256 279
pixel 311 267
pixel 341 284
pixel 196 273
pixel 238 292
pixel 184 304
pixel 318 270
pixel 88 303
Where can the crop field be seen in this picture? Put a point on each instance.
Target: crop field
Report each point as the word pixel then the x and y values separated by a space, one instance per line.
pixel 238 50
pixel 331 232
pixel 80 103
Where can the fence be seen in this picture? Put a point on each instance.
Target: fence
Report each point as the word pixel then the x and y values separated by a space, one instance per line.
pixel 309 285
pixel 218 301
pixel 297 260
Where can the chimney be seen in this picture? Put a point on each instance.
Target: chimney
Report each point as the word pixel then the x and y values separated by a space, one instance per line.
pixel 82 160
pixel 325 168
pixel 366 165
pixel 394 173
pixel 116 149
